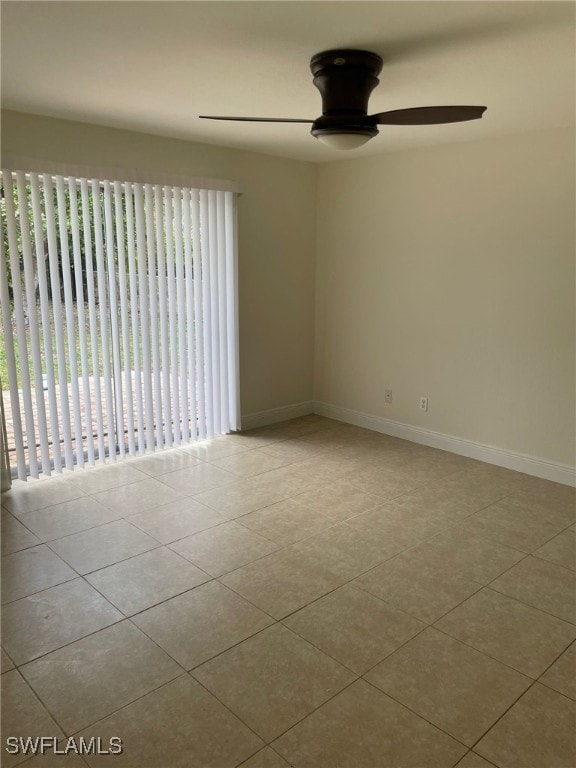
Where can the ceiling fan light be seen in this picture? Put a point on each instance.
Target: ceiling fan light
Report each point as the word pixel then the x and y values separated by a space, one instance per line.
pixel 337 133
pixel 344 140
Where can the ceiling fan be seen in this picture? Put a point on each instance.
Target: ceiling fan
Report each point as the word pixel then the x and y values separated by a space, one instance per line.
pixel 345 79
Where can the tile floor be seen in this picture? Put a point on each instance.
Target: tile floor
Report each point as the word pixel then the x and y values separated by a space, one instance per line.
pixel 309 594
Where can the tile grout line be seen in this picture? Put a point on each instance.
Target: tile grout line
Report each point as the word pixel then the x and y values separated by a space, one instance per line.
pixel 529 688
pixel 280 621
pixel 261 558
pixel 417 714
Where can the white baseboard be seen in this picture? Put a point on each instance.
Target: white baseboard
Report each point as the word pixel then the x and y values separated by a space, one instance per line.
pixel 274 415
pixel 548 470
pixel 530 465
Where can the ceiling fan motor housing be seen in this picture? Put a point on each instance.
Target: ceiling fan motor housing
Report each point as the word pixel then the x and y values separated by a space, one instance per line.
pixel 345 79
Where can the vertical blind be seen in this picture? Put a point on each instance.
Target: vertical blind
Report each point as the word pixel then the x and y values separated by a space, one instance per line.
pixel 119 312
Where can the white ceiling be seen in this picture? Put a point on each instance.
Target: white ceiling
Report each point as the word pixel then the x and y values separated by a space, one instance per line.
pixel 154 66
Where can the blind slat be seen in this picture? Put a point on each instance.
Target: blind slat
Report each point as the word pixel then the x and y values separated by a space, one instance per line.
pixel 172 314
pixel 133 277
pixel 165 345
pixel 198 312
pixel 41 256
pixel 181 314
pixel 55 286
pixel 30 282
pixel 104 322
pixel 72 362
pixel 222 307
pixel 206 311
pixel 153 309
pixel 122 285
pixel 21 331
pixel 80 300
pixel 214 301
pixel 92 317
pixel 115 335
pixel 232 312
pixel 144 339
pixel 190 341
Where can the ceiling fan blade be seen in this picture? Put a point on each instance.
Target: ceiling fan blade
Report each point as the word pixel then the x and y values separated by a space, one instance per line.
pixel 257 119
pixel 428 115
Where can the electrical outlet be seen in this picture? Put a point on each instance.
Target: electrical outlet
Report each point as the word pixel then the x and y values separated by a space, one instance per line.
pixel 423 404
pixel 387 395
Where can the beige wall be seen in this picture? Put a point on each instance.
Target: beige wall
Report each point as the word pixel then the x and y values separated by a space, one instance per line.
pixel 277 222
pixel 449 272
pixel 446 272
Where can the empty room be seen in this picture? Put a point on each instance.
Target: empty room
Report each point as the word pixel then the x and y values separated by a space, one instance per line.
pixel 288 384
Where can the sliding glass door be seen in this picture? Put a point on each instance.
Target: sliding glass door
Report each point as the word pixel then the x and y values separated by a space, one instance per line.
pixel 119 315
